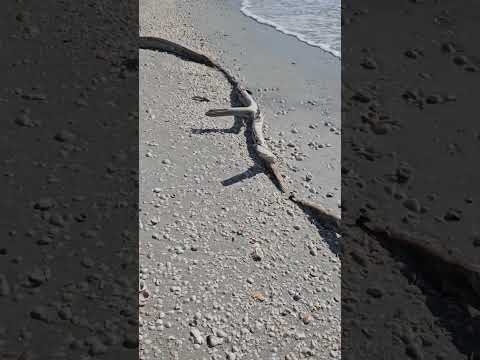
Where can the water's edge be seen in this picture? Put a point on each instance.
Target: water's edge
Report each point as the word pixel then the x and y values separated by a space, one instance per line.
pixel 262 20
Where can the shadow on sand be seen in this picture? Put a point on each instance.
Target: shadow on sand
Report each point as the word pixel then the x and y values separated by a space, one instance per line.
pixel 327 234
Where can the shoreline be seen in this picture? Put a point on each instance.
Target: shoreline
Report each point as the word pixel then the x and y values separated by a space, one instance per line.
pixel 286 32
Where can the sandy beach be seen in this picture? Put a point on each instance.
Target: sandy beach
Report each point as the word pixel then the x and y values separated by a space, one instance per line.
pixel 234 270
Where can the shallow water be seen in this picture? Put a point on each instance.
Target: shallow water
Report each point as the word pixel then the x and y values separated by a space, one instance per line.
pixel 316 22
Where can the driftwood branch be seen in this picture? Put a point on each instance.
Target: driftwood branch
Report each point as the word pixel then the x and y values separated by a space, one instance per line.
pixel 324 215
pixel 252 110
pixel 445 267
pixel 249 109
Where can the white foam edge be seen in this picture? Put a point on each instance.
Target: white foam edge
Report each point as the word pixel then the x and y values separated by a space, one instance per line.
pixel 325 47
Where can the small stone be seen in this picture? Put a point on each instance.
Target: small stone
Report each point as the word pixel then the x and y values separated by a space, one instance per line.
pixel 299 335
pixel 474 313
pixel 257 254
pixel 361 97
pixel 476 239
pixel 448 48
pixel 44 204
pixel 434 99
pixel 257 295
pixel 37 277
pixel 166 161
pixel 307 352
pixel 412 54
pixel 221 334
pixel 412 205
pixel 453 215
pixel 65 136
pixel 175 289
pixel 196 335
pixel 231 356
pixel 65 313
pixel 4 286
pixel 375 292
pixel 39 313
pixel 57 220
pixel 307 318
pixel 369 64
pixel 460 60
pixel 213 341
pixel 25 120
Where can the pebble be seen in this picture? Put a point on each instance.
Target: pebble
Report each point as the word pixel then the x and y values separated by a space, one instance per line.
pixel 213 341
pixel 307 318
pixel 460 60
pixel 453 215
pixel 369 63
pixel 231 356
pixel 313 251
pixel 476 239
pixel 44 204
pixel 257 254
pixel 375 292
pixel 197 336
pixel 39 313
pixel 4 286
pixel 65 136
pixel 412 205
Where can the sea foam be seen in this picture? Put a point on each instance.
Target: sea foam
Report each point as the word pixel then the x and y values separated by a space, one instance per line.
pixel 315 22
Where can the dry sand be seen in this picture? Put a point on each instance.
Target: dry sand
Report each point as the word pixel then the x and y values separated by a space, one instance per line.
pixel 235 271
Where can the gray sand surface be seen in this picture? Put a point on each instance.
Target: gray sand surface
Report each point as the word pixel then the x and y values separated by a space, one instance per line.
pixel 408 151
pixel 234 270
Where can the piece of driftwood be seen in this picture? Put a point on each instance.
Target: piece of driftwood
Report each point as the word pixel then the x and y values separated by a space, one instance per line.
pixel 445 266
pixel 249 109
pixel 143 294
pixel 252 110
pixel 324 215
